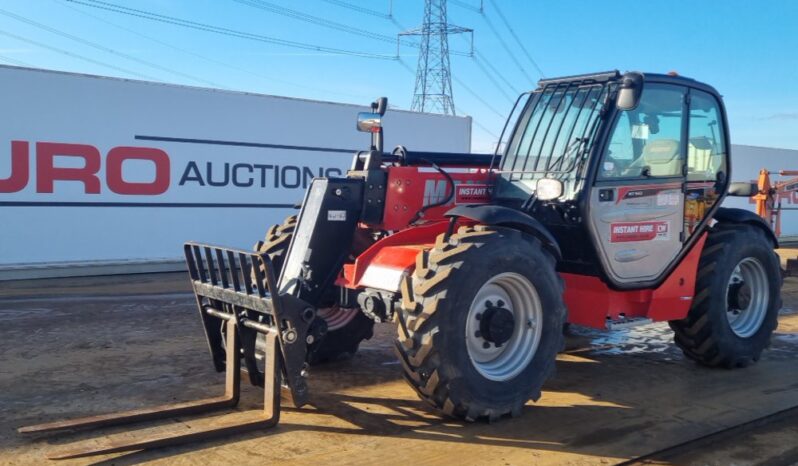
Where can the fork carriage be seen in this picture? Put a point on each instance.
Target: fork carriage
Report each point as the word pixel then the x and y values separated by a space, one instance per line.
pixel 243 320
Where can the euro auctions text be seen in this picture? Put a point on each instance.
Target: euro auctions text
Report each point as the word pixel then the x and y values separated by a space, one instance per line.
pixel 56 162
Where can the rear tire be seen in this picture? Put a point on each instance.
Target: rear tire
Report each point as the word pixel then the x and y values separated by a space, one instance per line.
pixel 346 327
pixel 737 299
pixel 440 329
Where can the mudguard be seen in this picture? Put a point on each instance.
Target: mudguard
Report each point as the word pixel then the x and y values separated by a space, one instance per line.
pixel 734 215
pixel 511 218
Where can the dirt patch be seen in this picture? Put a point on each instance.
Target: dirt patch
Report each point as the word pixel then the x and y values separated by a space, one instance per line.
pixel 615 396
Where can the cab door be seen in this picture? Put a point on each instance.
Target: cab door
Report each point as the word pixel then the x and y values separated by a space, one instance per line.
pixel 636 210
pixel 707 159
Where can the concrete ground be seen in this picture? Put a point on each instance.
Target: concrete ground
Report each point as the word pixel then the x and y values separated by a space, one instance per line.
pixel 82 346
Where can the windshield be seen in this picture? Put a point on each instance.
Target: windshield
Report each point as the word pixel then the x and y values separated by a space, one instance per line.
pixel 551 137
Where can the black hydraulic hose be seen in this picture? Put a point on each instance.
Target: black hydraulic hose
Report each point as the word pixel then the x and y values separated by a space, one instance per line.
pixel 529 203
pixel 420 214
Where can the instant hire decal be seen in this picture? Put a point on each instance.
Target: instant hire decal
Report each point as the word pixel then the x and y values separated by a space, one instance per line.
pixel 639 231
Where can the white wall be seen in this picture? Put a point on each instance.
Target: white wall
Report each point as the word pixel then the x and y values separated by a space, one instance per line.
pixel 746 163
pixel 44 106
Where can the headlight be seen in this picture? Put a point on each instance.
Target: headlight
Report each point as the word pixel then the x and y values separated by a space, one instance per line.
pixel 548 189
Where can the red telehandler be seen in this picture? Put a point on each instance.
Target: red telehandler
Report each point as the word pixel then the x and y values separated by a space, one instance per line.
pixel 601 208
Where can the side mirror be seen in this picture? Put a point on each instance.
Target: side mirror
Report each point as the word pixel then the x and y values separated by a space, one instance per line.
pixel 369 122
pixel 380 106
pixel 631 89
pixel 742 189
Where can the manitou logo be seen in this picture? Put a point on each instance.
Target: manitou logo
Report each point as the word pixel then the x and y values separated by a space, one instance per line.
pixel 434 191
pixel 47 173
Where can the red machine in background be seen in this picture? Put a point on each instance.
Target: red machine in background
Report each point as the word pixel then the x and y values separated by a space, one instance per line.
pixel 768 196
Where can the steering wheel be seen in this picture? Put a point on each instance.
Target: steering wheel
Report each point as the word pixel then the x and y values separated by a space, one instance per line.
pixel 615 171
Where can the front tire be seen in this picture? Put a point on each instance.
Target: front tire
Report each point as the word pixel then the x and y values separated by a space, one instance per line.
pixel 737 299
pixel 346 328
pixel 481 322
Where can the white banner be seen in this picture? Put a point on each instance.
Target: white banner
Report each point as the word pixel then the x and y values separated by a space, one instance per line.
pixel 103 169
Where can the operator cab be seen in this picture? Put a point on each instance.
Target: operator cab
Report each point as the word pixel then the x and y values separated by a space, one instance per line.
pixel 623 168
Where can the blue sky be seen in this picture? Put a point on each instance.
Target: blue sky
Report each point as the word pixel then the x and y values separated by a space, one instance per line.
pixel 747 49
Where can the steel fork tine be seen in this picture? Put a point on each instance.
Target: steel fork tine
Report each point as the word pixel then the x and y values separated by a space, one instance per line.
pixel 229 399
pixel 269 417
pixel 216 300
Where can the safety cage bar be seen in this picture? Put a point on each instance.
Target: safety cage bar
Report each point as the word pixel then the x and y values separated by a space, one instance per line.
pixel 547 131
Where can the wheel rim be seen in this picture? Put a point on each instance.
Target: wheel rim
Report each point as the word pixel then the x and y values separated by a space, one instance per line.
pixel 747 297
pixel 337 317
pixel 514 293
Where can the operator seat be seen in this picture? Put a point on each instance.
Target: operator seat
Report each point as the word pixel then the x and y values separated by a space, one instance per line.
pixel 661 156
pixel 703 161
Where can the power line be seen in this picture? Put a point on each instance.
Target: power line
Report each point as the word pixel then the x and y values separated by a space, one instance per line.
pixel 280 10
pixel 143 14
pixel 487 73
pixel 477 96
pixel 433 90
pixel 467 89
pixel 482 63
pixel 498 36
pixel 75 55
pixel 307 18
pixel 14 61
pixel 224 31
pixel 498 73
pixel 483 127
pixel 468 6
pixel 407 68
pixel 200 56
pixel 517 40
pixel 184 23
pixel 102 48
pixel 288 12
pixel 506 47
pixel 474 55
pixel 363 10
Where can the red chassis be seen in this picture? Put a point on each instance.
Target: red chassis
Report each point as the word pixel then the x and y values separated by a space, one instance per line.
pixel 589 300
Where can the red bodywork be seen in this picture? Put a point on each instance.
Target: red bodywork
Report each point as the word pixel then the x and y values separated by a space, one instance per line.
pixel 590 301
pixel 395 252
pixel 411 187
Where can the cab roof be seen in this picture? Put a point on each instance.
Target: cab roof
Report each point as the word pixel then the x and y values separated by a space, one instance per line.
pixel 615 75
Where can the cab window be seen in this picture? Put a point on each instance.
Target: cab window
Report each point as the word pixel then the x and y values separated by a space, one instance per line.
pixel 706 151
pixel 647 141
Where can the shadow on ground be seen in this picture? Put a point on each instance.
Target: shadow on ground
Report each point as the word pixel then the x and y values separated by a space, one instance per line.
pixel 615 396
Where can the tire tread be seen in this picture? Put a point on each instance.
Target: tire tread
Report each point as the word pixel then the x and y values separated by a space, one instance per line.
pixel 424 292
pixel 695 334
